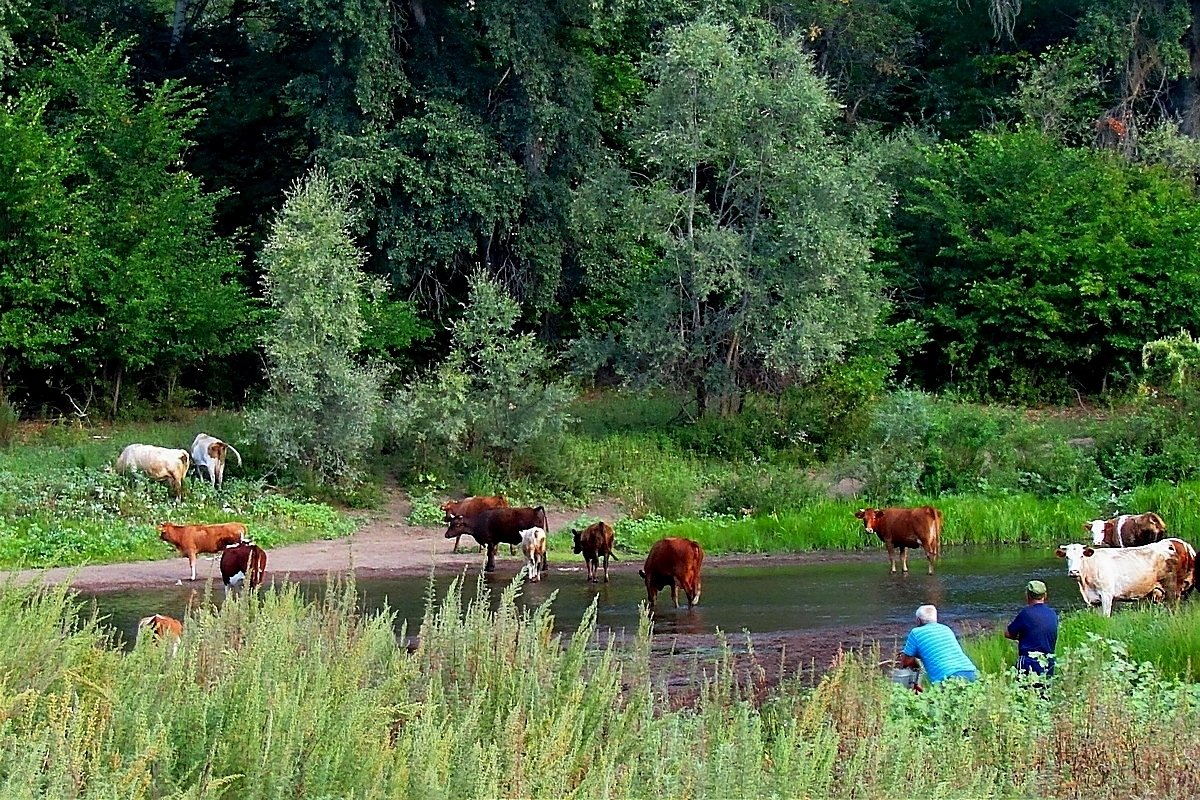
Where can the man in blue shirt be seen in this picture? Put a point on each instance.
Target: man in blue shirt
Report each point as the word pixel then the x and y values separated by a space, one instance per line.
pixel 1036 630
pixel 937 648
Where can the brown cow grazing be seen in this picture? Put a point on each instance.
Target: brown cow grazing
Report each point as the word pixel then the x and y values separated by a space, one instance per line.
pixel 1127 530
pixel 673 562
pixel 469 507
pixel 594 541
pixel 904 528
pixel 192 539
pixel 163 627
pixel 497 525
pixel 242 561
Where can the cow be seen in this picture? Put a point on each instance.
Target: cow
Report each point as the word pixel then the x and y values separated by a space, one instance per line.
pixel 1187 567
pixel 469 507
pixel 594 541
pixel 158 463
pixel 533 546
pixel 163 627
pixel 1127 530
pixel 673 562
pixel 242 561
pixel 1155 571
pixel 903 528
pixel 192 539
pixel 497 525
pixel 209 452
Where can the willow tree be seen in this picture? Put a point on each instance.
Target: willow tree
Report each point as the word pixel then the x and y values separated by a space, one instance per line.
pixel 320 413
pixel 740 253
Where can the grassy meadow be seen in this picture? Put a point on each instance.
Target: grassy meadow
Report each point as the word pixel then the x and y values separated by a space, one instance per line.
pixel 271 696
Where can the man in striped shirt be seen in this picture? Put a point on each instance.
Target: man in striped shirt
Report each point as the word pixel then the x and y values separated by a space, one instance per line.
pixel 937 648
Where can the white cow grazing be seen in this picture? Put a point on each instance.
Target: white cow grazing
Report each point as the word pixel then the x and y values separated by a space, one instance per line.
pixel 209 452
pixel 533 545
pixel 159 463
pixel 1129 573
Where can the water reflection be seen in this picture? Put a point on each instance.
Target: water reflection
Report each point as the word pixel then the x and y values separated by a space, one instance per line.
pixel 978 584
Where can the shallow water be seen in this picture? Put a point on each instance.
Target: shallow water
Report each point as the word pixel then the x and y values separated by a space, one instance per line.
pixel 975 583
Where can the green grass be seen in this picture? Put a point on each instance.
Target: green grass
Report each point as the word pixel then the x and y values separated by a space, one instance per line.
pixel 1168 638
pixel 271 696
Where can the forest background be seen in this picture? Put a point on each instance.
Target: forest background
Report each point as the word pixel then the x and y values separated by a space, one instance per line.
pixel 573 248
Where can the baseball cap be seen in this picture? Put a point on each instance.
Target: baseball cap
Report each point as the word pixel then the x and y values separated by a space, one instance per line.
pixel 1036 588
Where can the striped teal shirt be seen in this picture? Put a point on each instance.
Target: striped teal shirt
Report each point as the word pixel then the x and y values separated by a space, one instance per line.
pixel 940 654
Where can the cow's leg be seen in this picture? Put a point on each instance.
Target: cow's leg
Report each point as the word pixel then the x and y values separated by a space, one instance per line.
pixel 192 563
pixel 892 556
pixel 606 567
pixel 457 539
pixel 490 566
pixel 932 557
pixel 219 475
pixel 1106 601
pixel 903 559
pixel 176 487
pixel 674 594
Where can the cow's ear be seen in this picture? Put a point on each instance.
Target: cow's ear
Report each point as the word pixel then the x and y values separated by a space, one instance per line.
pixel 862 512
pixel 1087 526
pixel 1087 551
pixel 1061 553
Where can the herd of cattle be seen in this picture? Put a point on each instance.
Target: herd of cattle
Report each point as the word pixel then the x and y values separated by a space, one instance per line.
pixel 1129 557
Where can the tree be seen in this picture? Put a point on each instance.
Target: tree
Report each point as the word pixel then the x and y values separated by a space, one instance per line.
pixel 749 232
pixel 1040 269
pixel 494 393
pixel 109 267
pixel 320 414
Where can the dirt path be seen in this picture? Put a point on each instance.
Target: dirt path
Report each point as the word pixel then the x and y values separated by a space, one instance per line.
pixel 384 545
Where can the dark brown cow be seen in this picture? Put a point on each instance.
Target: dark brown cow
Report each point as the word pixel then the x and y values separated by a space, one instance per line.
pixel 242 561
pixel 594 541
pixel 497 525
pixel 673 562
pixel 470 506
pixel 903 528
pixel 1127 530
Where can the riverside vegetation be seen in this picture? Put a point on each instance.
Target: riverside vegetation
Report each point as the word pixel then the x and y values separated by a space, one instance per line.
pixel 271 696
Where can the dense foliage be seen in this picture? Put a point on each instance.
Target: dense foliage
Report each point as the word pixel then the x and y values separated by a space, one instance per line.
pixel 748 203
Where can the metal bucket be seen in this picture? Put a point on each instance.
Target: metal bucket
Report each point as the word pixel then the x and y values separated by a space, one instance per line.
pixel 905 676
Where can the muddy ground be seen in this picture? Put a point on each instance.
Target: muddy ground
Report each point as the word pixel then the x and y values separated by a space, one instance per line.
pixel 386 546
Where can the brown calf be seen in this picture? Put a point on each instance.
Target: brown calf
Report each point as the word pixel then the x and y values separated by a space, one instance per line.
pixel 470 506
pixel 594 541
pixel 242 561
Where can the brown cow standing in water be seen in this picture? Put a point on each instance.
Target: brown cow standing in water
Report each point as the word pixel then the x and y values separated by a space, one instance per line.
pixel 904 528
pixel 673 562
pixel 594 541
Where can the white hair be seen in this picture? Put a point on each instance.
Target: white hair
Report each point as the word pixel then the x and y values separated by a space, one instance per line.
pixel 926 614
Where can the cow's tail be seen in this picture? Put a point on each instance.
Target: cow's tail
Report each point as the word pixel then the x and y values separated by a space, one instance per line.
pixel 233 449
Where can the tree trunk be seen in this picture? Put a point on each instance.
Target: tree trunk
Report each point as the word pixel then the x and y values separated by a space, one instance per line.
pixel 178 22
pixel 116 398
pixel 1189 112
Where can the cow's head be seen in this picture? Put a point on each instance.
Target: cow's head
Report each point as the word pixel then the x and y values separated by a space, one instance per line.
pixel 457 527
pixel 448 509
pixel 577 536
pixel 1074 554
pixel 870 517
pixel 164 531
pixel 1098 528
